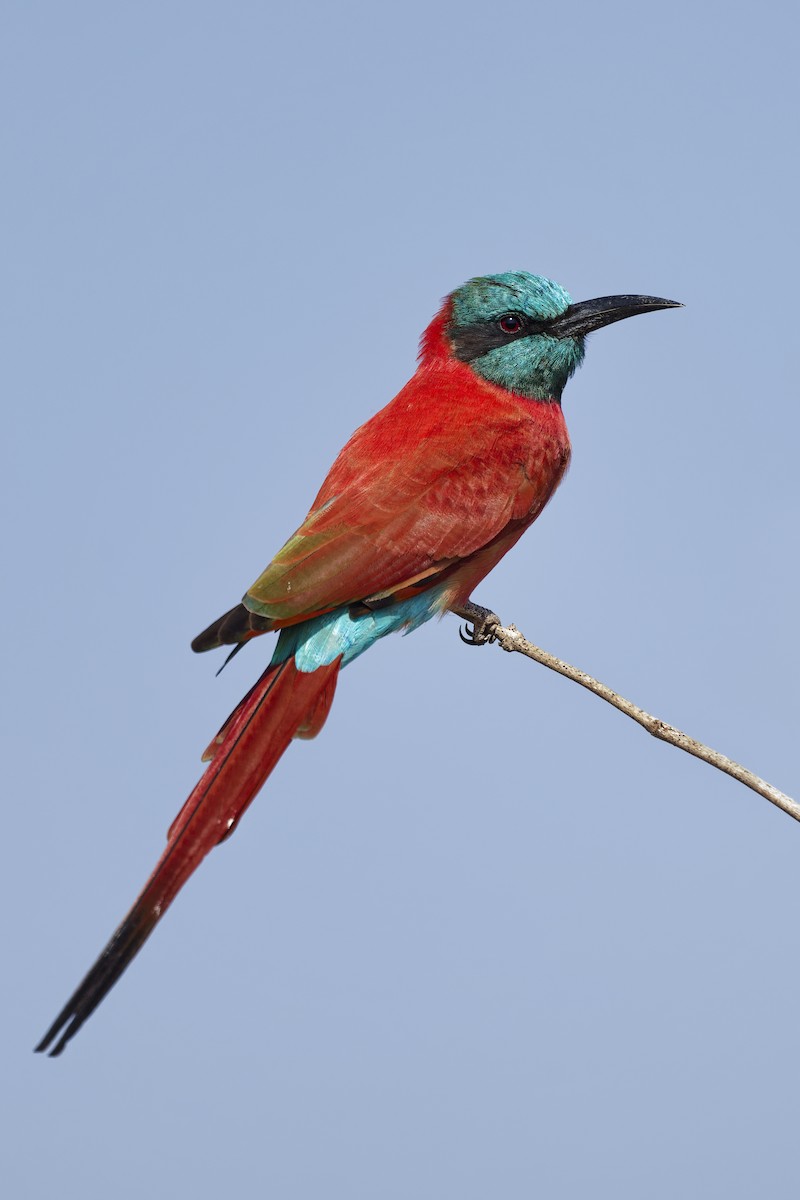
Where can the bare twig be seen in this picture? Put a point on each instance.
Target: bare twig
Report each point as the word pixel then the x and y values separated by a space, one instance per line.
pixel 509 637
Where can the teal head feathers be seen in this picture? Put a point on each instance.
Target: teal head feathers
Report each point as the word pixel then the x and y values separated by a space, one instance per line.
pixel 524 333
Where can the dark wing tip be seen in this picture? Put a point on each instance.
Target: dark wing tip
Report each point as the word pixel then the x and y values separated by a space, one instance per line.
pixel 236 626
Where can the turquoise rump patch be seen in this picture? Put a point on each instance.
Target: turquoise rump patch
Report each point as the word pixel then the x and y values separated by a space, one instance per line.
pixel 317 642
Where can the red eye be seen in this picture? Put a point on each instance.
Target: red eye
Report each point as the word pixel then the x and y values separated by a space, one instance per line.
pixel 510 323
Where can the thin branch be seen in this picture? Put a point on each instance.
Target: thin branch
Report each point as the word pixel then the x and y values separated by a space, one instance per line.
pixel 510 639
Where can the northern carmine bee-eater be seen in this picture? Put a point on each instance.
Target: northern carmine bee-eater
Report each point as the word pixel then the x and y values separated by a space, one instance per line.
pixel 421 503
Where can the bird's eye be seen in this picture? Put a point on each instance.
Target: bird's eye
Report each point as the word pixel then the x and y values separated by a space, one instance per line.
pixel 510 323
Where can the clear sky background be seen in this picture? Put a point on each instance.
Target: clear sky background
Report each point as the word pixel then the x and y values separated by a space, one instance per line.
pixel 483 937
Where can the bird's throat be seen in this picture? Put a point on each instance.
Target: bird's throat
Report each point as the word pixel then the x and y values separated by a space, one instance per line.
pixel 537 367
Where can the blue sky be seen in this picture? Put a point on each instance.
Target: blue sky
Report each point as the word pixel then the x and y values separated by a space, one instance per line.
pixel 484 936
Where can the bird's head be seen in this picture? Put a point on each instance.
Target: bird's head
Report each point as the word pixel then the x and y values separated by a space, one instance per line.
pixel 524 333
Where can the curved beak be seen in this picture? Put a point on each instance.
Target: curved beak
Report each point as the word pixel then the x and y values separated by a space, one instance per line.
pixel 582 318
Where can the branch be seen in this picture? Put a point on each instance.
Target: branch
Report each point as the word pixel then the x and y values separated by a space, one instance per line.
pixel 486 627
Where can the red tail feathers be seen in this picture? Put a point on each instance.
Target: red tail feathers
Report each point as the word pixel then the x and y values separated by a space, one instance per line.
pixel 285 703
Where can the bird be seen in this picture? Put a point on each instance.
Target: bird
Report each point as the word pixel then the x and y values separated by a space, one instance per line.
pixel 421 503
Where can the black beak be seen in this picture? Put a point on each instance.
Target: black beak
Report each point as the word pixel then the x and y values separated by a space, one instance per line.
pixel 582 318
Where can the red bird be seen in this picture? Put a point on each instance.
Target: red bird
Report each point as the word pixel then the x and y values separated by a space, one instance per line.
pixel 421 503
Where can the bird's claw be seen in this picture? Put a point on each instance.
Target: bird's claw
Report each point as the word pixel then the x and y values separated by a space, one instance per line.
pixel 471 636
pixel 482 627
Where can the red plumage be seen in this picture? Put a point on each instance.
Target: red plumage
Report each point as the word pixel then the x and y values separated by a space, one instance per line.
pixel 431 492
pixel 450 471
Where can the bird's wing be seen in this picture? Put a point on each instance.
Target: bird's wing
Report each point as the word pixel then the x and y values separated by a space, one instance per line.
pixel 411 494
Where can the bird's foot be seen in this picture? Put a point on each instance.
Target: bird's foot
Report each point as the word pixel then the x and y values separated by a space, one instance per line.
pixel 483 624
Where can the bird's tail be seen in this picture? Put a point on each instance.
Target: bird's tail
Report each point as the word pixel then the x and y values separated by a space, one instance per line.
pixel 285 703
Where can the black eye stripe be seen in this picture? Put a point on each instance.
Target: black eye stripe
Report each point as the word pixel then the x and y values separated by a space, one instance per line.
pixel 473 341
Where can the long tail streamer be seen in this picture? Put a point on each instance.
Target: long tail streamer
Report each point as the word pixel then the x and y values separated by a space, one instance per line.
pixel 285 703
